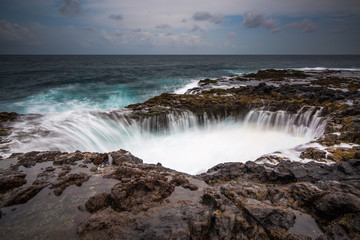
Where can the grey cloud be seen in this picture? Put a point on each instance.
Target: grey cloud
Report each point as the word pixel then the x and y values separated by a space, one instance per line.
pixel 89 28
pixel 231 35
pixel 206 16
pixel 163 26
pixel 254 19
pixel 13 32
pixel 340 30
pixel 70 8
pixel 117 17
pixel 196 28
pixel 119 34
pixel 305 25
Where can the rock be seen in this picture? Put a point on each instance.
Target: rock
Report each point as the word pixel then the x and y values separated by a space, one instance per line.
pixel 7 117
pixel 336 204
pixel 93 169
pixel 50 169
pixel 313 153
pixel 98 202
pixel 21 195
pixel 10 180
pixel 345 227
pixel 122 156
pixel 68 180
pixel 43 178
pixel 182 181
pixel 100 158
pixel 271 217
pixel 140 193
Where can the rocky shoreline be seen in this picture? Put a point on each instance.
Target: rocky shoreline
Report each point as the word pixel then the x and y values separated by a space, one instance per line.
pixel 116 196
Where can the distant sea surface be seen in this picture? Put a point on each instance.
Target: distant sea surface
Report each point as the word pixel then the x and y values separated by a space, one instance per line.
pixel 45 84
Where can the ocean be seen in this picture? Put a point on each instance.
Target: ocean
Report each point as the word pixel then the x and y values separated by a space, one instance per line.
pixel 43 84
pixel 67 102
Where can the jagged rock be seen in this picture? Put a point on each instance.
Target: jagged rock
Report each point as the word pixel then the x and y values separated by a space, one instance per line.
pixel 182 181
pixel 122 156
pixel 345 227
pixel 271 217
pixel 68 180
pixel 313 153
pixel 10 180
pixel 21 195
pixel 100 158
pixel 336 204
pixel 7 117
pixel 98 202
pixel 140 193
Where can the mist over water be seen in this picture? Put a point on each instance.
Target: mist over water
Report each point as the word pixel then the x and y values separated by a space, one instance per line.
pixel 184 143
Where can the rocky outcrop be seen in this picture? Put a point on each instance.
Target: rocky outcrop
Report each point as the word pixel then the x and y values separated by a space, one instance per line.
pixel 232 200
pixel 10 180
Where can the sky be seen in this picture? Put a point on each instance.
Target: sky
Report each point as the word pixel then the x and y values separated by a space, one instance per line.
pixel 179 27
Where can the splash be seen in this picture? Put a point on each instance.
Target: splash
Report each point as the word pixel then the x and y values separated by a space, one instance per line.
pixel 183 141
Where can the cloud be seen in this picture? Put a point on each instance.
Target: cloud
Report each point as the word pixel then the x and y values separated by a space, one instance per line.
pixel 116 17
pixel 305 25
pixel 89 28
pixel 231 35
pixel 340 30
pixel 14 32
pixel 206 16
pixel 163 26
pixel 255 19
pixel 196 28
pixel 70 8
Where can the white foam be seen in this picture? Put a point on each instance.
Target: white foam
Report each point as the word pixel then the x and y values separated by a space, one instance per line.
pixel 325 69
pixel 183 144
pixel 190 85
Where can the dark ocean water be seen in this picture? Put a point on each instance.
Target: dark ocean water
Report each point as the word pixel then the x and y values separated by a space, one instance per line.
pixel 42 84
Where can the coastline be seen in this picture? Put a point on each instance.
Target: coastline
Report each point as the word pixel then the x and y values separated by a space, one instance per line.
pixel 270 200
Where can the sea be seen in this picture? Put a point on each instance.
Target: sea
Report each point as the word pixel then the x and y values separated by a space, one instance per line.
pixel 67 102
pixel 43 84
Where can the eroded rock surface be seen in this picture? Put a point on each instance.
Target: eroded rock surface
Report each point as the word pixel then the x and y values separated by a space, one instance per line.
pixel 230 201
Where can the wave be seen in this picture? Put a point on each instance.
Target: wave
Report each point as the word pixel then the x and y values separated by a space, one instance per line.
pixel 325 69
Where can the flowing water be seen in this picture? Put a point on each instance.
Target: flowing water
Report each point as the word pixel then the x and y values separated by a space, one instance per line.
pixel 185 142
pixel 76 103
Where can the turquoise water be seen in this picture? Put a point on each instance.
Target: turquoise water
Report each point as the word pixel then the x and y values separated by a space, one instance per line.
pixel 43 84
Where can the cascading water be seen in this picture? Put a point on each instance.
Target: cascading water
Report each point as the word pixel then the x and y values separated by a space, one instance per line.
pixel 182 141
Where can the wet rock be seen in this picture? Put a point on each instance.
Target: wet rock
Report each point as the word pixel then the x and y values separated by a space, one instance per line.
pixel 43 178
pixel 21 195
pixel 313 153
pixel 7 117
pixel 10 180
pixel 50 169
pixel 345 227
pixel 68 180
pixel 98 202
pixel 93 169
pixel 140 193
pixel 271 217
pixel 122 156
pixel 100 158
pixel 182 181
pixel 337 203
pixel 31 158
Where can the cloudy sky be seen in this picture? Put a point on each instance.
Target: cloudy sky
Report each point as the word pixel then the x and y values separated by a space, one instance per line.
pixel 179 27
